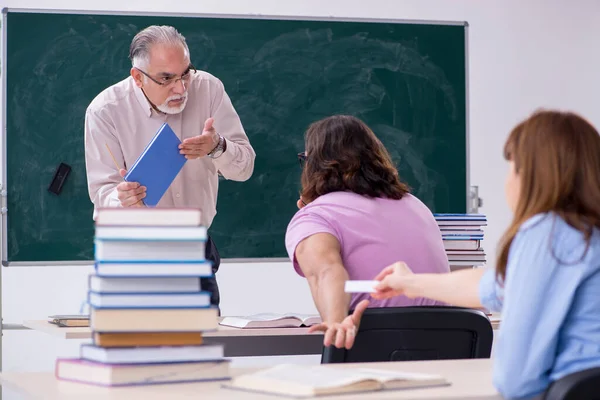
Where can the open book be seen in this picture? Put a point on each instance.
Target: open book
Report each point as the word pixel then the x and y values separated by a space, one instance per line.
pixel 316 380
pixel 268 320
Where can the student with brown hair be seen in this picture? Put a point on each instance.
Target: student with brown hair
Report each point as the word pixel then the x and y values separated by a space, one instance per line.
pixel 547 276
pixel 355 218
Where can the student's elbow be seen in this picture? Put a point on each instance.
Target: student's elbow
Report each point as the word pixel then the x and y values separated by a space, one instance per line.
pixel 515 383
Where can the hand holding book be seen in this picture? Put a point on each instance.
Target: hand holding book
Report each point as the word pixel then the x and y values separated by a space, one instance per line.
pixel 130 194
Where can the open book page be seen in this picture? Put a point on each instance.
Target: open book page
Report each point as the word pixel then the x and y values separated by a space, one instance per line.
pixel 307 319
pixel 398 379
pixel 304 380
pixel 271 320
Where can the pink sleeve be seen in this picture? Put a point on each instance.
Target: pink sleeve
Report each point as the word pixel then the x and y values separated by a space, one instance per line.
pixel 305 223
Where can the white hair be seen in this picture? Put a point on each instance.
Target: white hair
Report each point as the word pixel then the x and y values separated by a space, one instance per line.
pixel 139 51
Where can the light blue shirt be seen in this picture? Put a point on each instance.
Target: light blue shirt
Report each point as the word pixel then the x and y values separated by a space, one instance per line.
pixel 550 307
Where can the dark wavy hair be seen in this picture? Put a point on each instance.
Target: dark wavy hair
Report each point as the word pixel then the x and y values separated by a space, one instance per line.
pixel 343 154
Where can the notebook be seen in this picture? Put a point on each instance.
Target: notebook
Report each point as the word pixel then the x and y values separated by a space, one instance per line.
pixel 268 320
pixel 296 380
pixel 158 165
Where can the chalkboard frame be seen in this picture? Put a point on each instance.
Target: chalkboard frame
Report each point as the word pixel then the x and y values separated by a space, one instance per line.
pixel 471 195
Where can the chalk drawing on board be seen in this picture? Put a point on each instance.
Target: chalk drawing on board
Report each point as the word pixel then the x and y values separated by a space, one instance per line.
pixel 299 69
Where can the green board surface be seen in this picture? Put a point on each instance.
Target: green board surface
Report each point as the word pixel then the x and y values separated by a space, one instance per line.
pixel 407 81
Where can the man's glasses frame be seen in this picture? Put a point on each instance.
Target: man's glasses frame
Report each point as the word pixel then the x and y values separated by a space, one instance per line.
pixel 302 159
pixel 171 81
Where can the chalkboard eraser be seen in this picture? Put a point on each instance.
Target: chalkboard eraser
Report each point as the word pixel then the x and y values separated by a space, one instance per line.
pixel 59 178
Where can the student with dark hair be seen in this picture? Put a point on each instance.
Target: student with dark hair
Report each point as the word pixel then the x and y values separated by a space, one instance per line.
pixel 355 218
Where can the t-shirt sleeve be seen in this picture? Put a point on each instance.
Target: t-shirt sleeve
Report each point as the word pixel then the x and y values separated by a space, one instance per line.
pixel 307 222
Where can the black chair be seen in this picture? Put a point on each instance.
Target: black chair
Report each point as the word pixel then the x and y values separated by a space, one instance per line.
pixel 417 333
pixel 582 385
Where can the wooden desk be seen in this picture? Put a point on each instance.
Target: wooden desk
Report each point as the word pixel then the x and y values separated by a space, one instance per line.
pixel 470 379
pixel 238 342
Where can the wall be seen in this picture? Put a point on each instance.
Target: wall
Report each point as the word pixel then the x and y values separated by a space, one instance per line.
pixel 523 55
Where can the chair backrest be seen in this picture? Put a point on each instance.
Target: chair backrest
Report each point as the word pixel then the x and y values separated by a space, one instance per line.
pixel 417 333
pixel 582 385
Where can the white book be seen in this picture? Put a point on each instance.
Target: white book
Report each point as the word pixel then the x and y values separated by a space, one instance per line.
pixel 154 269
pixel 472 244
pixel 461 232
pixel 152 300
pixel 466 263
pixel 149 250
pixel 464 223
pixel 272 320
pixel 78 370
pixel 145 355
pixel 466 257
pixel 296 380
pixel 151 232
pixel 148 216
pixel 103 284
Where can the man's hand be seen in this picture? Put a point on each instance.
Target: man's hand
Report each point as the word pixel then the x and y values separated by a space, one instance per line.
pixel 130 193
pixel 201 145
pixel 342 334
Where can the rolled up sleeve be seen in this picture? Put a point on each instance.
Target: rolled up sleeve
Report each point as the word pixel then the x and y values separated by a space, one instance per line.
pixel 237 162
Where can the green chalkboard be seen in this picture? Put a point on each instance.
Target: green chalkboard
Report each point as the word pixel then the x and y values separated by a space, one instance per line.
pixel 405 80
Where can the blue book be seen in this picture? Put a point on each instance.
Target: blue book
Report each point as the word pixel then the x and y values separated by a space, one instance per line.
pixel 158 165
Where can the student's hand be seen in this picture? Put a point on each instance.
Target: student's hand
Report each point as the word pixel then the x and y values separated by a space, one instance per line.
pixel 342 334
pixel 130 193
pixel 201 145
pixel 394 280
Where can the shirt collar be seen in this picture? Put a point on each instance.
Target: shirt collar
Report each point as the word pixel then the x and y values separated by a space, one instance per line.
pixel 141 97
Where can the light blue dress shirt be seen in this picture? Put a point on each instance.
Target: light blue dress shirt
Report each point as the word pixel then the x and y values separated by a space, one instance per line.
pixel 550 307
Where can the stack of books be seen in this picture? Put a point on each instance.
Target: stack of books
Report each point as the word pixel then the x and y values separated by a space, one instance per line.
pixel 147 309
pixel 462 235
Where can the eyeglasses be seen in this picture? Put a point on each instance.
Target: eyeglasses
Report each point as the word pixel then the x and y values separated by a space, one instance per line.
pixel 302 158
pixel 171 80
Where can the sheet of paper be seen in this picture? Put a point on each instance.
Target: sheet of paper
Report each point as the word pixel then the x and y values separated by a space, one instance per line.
pixel 360 286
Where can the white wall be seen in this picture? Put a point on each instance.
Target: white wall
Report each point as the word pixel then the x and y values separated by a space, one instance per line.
pixel 523 55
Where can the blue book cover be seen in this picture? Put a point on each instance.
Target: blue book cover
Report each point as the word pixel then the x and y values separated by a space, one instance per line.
pixel 158 165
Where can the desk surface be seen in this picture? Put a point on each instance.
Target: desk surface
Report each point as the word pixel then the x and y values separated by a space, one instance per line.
pixel 222 331
pixel 470 379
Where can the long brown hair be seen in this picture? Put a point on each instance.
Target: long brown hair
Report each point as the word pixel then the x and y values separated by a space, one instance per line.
pixel 557 158
pixel 343 154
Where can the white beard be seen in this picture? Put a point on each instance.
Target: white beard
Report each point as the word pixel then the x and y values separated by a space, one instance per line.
pixel 164 107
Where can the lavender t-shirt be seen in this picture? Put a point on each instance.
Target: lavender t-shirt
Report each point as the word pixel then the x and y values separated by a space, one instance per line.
pixel 373 233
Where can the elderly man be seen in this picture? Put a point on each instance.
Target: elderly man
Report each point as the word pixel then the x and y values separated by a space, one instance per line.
pixel 165 87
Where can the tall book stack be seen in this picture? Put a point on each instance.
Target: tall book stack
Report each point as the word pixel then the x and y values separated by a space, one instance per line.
pixel 147 309
pixel 462 235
